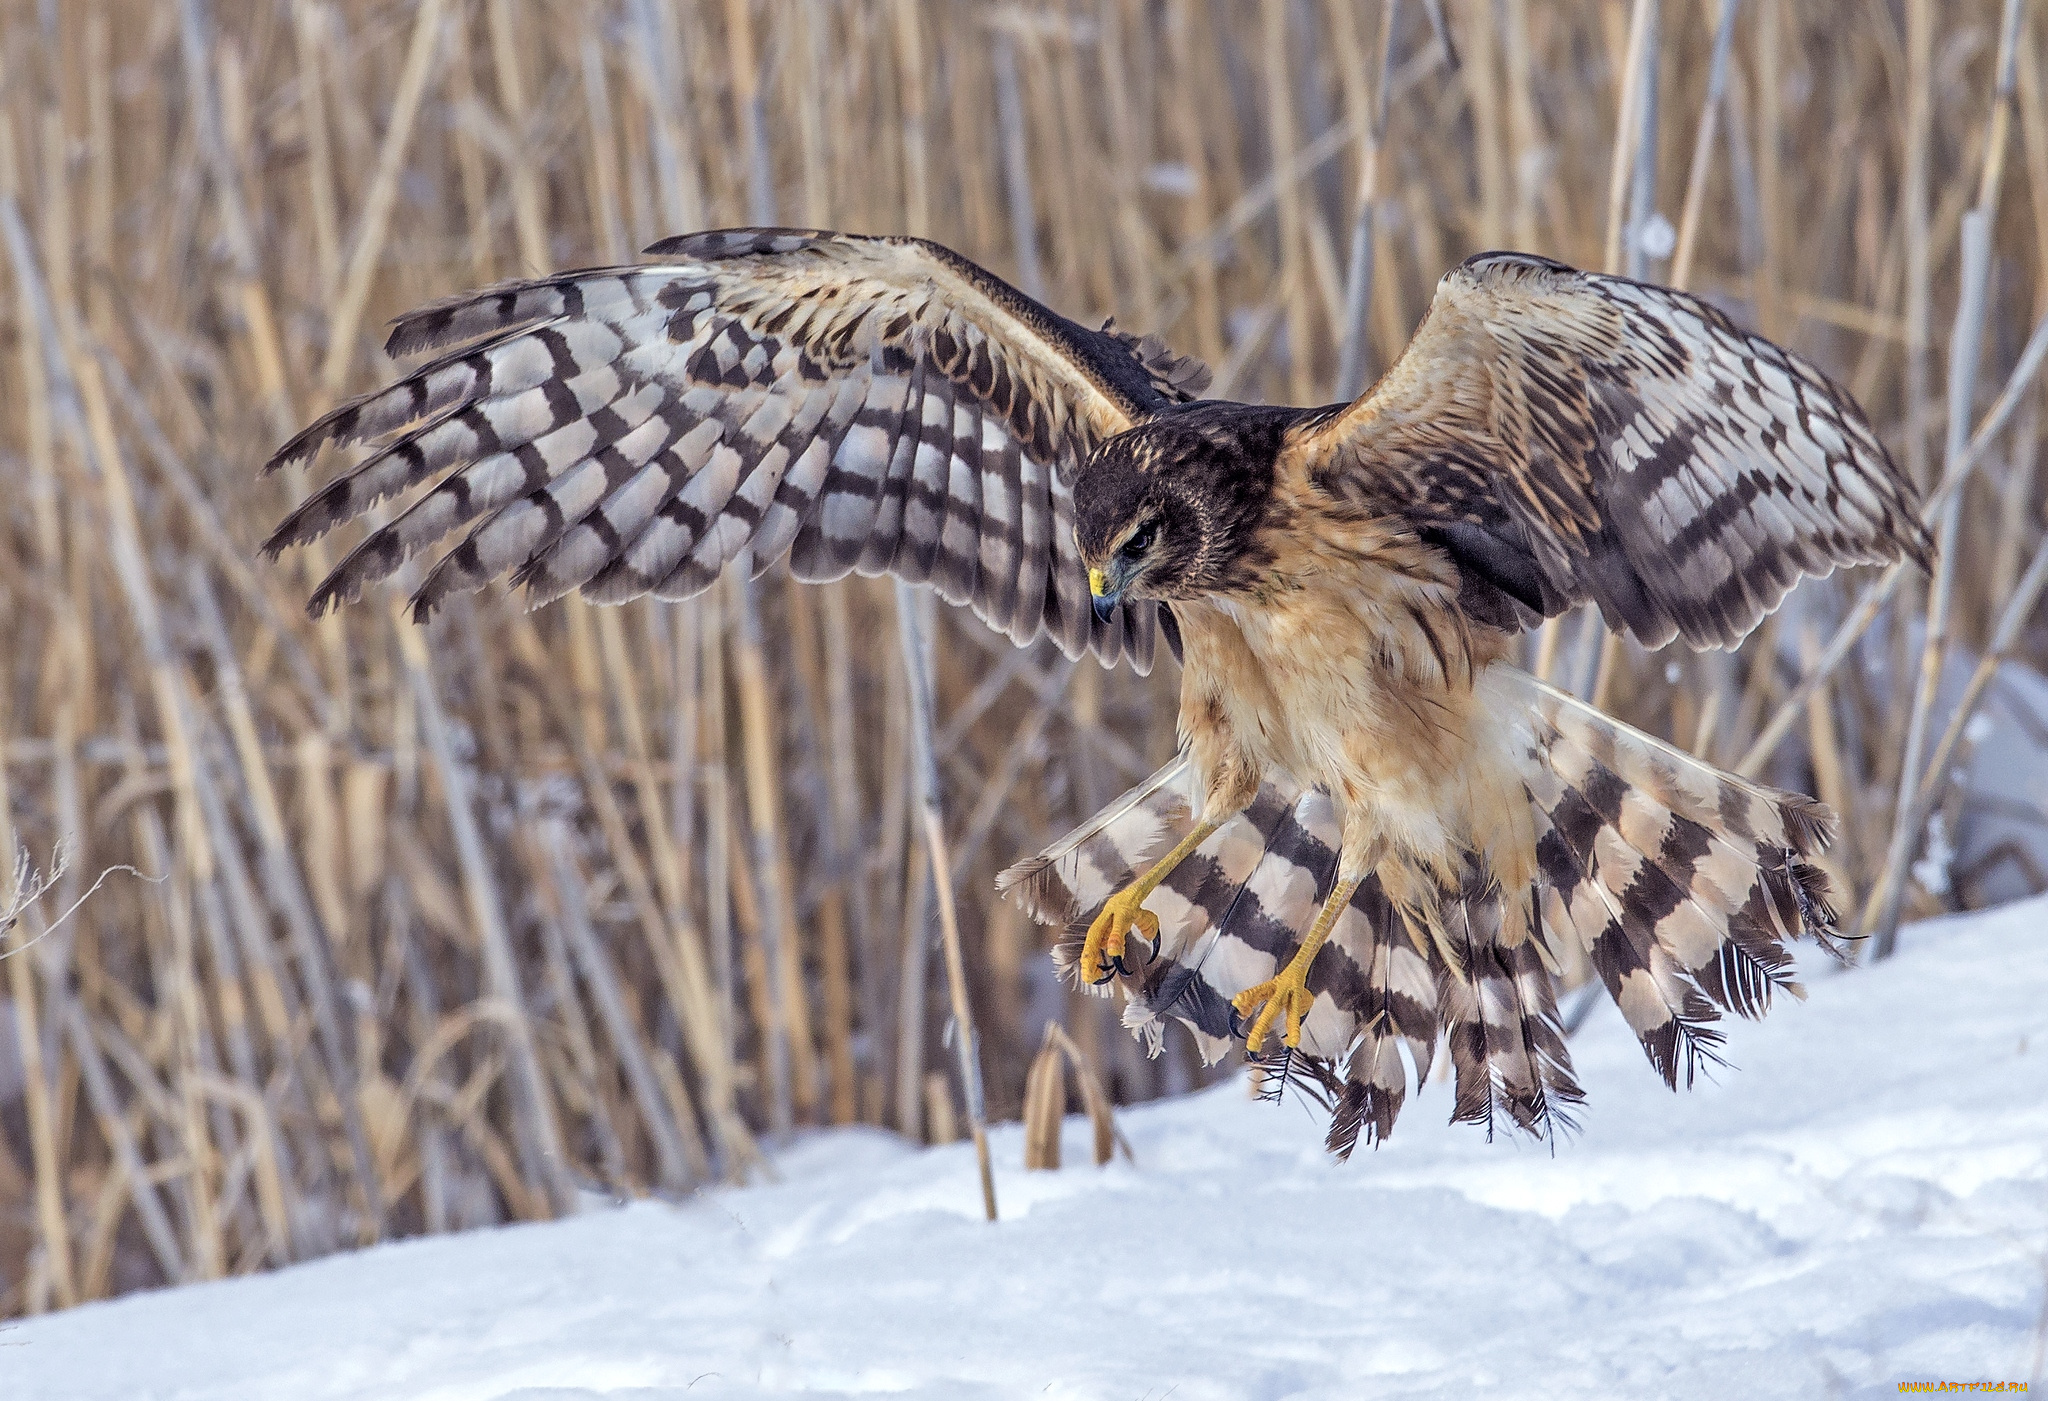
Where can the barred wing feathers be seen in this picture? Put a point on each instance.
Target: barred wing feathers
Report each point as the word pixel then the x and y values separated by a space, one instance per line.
pixel 872 404
pixel 1568 436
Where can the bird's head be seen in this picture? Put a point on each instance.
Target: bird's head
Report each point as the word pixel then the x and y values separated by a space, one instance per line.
pixel 1170 509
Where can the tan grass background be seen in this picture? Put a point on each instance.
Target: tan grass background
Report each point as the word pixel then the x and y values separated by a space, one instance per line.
pixel 442 927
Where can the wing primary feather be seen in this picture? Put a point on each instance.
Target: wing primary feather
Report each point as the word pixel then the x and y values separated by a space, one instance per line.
pixel 944 417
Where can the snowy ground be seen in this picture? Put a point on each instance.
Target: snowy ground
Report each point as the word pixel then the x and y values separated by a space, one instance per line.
pixel 1865 1200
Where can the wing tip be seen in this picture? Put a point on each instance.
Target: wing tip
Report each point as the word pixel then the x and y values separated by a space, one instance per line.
pixel 302 448
pixel 337 590
pixel 340 426
pixel 1916 544
pixel 509 306
pixel 278 541
pixel 424 328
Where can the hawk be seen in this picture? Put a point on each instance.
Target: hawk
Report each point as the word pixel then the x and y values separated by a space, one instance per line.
pixel 1376 826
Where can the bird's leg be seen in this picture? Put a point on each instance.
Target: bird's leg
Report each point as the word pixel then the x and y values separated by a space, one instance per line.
pixel 1287 992
pixel 1102 952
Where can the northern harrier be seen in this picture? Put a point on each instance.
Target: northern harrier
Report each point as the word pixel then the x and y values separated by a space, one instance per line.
pixel 1376 824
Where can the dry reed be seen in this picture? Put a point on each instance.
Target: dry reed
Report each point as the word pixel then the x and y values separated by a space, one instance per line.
pixel 477 922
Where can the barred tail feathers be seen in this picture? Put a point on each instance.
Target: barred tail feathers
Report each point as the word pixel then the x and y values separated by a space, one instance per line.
pixel 1683 884
pixel 1232 914
pixel 1092 862
pixel 1069 882
pixel 1500 1018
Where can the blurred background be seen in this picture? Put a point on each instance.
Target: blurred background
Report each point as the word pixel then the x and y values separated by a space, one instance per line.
pixel 425 929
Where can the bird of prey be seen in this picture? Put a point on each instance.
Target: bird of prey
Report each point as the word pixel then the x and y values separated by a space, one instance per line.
pixel 1376 826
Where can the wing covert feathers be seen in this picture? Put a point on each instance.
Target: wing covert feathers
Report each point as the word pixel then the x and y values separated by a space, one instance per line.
pixel 1569 436
pixel 871 404
pixel 1683 885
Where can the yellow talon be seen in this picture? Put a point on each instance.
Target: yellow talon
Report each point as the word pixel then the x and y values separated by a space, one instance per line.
pixel 1287 993
pixel 1124 912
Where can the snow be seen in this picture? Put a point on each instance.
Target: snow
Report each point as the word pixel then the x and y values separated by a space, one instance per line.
pixel 2004 827
pixel 1863 1201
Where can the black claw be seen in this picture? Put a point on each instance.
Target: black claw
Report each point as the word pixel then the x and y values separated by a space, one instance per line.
pixel 1117 962
pixel 1107 974
pixel 1236 1025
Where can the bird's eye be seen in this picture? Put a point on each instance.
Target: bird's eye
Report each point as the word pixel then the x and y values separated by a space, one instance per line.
pixel 1141 539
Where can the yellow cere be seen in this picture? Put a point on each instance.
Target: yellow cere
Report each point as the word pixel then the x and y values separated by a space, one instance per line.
pixel 1098 583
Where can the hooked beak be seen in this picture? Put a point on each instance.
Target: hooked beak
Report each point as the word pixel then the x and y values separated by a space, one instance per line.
pixel 1107 593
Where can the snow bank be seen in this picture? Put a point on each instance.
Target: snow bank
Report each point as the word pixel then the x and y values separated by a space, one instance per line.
pixel 1864 1200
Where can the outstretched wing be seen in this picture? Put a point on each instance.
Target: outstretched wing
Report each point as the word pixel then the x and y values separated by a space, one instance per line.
pixel 871 404
pixel 1567 437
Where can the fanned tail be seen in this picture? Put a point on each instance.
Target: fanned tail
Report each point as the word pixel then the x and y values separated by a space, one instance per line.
pixel 1683 884
pixel 1232 914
